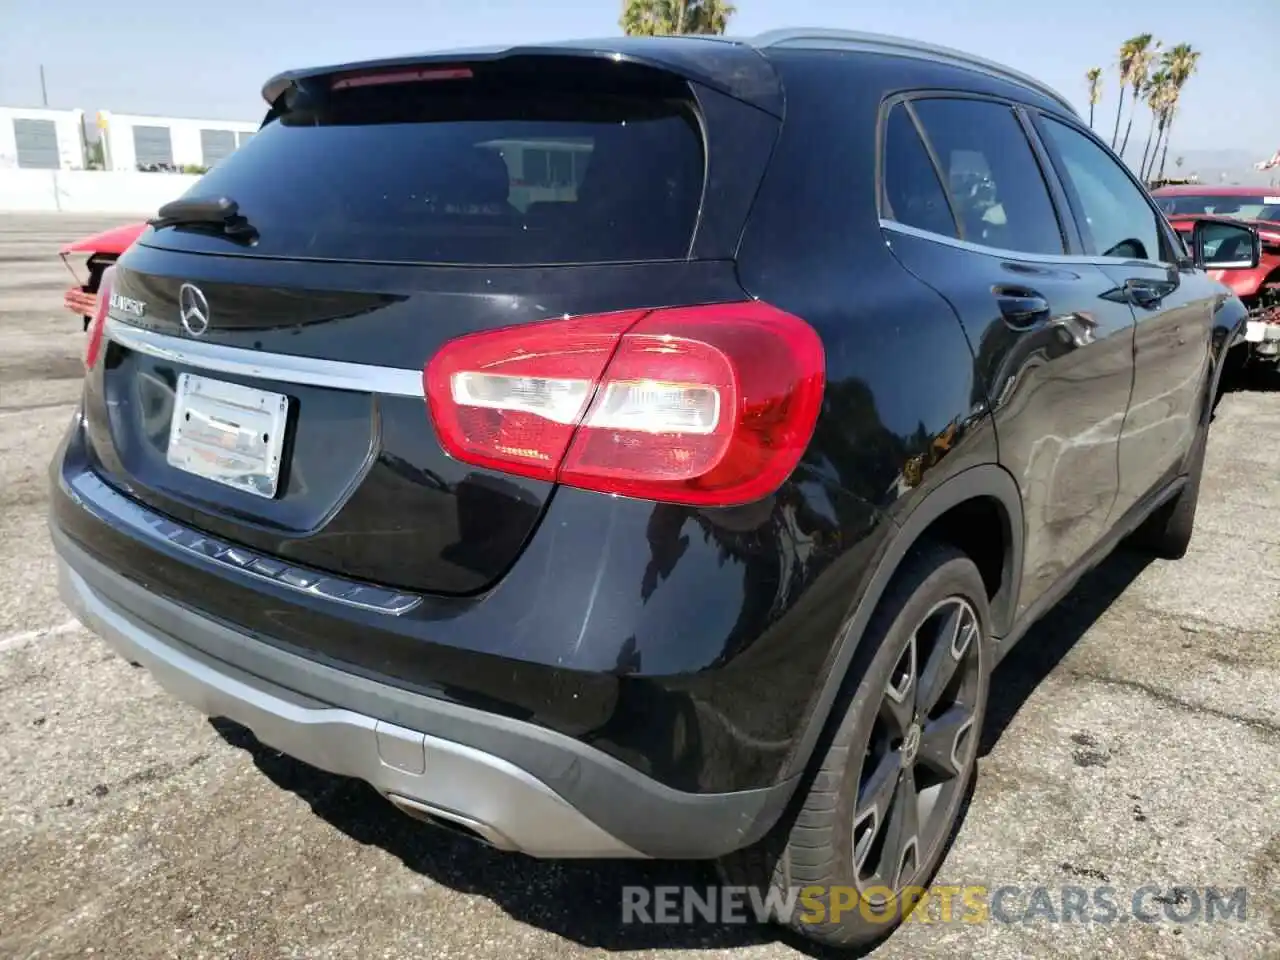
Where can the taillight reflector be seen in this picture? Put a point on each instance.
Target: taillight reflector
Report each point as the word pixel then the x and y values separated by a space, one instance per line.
pixel 93 347
pixel 707 405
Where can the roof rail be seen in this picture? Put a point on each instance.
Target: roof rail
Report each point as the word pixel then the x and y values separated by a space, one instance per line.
pixel 901 46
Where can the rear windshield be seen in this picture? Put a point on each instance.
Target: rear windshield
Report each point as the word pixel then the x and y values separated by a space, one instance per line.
pixel 467 172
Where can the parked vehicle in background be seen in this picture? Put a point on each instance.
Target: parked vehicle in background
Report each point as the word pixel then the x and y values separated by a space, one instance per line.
pixel 664 517
pixel 1258 287
pixel 87 259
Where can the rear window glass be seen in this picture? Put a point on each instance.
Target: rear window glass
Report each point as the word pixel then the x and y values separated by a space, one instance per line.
pixel 457 172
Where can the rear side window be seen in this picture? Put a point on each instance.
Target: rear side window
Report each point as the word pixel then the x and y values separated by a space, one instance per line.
pixel 995 181
pixel 1118 221
pixel 913 195
pixel 490 170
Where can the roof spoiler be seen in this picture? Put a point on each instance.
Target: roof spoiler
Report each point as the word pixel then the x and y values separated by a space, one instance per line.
pixel 735 68
pixel 730 65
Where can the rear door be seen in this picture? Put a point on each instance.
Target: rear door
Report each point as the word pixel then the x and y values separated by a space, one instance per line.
pixel 971 212
pixel 267 388
pixel 1174 306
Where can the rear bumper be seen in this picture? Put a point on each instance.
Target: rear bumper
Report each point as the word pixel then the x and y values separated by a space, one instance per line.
pixel 451 762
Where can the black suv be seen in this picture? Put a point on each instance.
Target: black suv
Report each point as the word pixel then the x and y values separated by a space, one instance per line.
pixel 640 448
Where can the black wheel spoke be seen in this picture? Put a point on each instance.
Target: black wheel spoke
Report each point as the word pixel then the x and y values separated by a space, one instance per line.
pixel 898 706
pixel 897 716
pixel 944 741
pixel 955 634
pixel 874 798
pixel 901 851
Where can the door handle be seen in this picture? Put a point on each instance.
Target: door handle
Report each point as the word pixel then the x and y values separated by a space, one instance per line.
pixel 1143 294
pixel 1021 308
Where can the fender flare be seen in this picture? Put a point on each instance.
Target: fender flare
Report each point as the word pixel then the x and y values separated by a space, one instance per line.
pixel 986 480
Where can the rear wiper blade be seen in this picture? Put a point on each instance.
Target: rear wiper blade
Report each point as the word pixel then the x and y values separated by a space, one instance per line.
pixel 222 213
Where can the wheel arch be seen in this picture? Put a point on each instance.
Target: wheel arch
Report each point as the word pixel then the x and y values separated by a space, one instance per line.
pixel 987 485
pixel 1226 335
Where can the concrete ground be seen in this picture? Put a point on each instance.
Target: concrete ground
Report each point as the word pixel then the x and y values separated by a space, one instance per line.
pixel 1134 741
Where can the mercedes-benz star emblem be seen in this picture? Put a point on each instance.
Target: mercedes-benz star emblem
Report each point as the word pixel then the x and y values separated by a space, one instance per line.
pixel 194 310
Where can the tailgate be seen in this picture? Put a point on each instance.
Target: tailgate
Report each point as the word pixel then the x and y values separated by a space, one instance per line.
pixel 270 393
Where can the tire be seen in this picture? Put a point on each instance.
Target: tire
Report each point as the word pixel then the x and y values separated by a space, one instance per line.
pixel 831 836
pixel 1167 532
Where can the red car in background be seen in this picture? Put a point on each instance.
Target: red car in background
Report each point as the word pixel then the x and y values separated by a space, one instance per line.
pixel 88 258
pixel 1258 288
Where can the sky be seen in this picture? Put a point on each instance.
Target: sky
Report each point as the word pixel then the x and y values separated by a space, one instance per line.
pixel 208 60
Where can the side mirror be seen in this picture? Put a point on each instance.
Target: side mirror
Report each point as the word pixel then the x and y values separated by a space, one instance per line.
pixel 1225 245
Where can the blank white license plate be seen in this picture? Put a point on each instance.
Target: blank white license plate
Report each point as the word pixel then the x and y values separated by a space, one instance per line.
pixel 228 433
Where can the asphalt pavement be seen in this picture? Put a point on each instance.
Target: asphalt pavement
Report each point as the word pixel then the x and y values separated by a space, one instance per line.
pixel 1133 746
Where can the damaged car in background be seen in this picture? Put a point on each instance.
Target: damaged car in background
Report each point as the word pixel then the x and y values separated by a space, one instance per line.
pixel 88 259
pixel 1258 287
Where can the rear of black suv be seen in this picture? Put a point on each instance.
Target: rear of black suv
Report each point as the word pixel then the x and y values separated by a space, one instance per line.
pixel 439 444
pixel 593 447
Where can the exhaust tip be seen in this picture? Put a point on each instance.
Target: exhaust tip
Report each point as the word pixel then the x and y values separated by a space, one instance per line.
pixel 453 822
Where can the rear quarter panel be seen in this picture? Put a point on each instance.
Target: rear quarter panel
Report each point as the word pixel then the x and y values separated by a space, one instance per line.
pixel 904 411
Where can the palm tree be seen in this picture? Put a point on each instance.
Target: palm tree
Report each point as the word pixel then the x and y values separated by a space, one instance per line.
pixel 1157 93
pixel 1144 55
pixel 660 18
pixel 1127 51
pixel 1181 62
pixel 1164 116
pixel 1094 77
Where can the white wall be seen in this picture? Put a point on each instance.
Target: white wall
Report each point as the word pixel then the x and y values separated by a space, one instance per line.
pixel 90 191
pixel 184 137
pixel 68 123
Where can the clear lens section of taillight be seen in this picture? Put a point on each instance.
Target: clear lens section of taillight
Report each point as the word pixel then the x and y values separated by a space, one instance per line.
pixel 709 405
pixel 93 346
pixel 558 400
pixel 510 399
pixel 654 406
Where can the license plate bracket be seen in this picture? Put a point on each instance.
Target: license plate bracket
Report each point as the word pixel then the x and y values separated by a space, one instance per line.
pixel 228 433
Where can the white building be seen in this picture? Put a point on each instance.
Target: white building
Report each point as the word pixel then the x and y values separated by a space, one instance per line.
pixel 34 139
pixel 132 142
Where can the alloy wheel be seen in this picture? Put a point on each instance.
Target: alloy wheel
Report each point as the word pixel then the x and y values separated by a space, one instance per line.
pixel 919 751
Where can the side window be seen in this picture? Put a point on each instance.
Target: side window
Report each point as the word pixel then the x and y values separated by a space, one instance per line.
pixel 913 194
pixel 1118 220
pixel 996 184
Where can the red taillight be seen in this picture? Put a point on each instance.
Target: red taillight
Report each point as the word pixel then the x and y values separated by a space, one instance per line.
pixel 383 77
pixel 94 345
pixel 709 405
